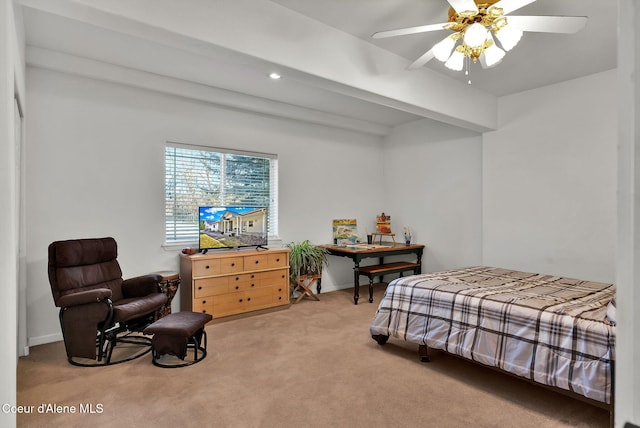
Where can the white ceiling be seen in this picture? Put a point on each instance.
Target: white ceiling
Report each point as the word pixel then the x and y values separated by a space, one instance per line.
pixel 538 60
pixel 69 27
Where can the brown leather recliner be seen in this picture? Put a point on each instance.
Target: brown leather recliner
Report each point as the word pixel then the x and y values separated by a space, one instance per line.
pixel 97 307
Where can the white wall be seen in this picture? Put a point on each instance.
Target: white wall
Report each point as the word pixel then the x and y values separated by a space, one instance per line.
pixel 11 86
pixel 628 250
pixel 95 163
pixel 433 185
pixel 549 177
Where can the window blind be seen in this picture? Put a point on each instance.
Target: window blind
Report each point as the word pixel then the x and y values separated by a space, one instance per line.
pixel 201 176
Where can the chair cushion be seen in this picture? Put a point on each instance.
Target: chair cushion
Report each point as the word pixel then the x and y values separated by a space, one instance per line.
pixel 84 264
pixel 80 252
pixel 90 277
pixel 127 309
pixel 183 324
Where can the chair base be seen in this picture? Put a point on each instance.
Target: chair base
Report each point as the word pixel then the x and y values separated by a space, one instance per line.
pixel 193 345
pixel 129 341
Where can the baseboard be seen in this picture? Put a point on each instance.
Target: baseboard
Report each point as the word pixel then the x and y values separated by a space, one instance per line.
pixel 41 340
pixel 332 287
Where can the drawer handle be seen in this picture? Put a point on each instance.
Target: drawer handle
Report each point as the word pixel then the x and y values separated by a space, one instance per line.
pixel 277 259
pixel 248 299
pixel 237 278
pixel 204 301
pixel 253 276
pixel 253 285
pixel 204 311
pixel 200 288
pixel 206 267
pixel 237 287
pixel 279 289
pixel 233 264
pixel 240 300
pixel 280 298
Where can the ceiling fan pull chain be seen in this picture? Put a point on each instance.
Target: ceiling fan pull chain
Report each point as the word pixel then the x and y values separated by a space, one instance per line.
pixel 467 71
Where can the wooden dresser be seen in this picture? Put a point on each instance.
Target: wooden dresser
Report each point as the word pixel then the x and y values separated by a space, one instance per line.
pixel 232 282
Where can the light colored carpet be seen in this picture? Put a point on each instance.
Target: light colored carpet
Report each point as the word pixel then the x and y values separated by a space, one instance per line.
pixel 311 365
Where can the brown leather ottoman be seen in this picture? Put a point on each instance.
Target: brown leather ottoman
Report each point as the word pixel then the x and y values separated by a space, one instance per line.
pixel 175 333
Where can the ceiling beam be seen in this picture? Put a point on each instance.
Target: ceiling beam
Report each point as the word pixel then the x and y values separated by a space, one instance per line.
pixel 85 67
pixel 265 34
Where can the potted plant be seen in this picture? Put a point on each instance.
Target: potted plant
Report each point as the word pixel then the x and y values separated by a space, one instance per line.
pixel 305 258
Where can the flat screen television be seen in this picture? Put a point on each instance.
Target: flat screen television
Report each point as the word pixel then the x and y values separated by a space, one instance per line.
pixel 232 227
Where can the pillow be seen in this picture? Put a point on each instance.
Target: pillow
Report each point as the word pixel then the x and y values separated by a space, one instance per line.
pixel 611 311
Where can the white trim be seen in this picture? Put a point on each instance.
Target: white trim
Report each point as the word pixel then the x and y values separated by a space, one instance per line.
pixel 221 150
pixel 49 338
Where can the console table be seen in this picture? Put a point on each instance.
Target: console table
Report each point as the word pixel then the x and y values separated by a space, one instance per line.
pixel 359 252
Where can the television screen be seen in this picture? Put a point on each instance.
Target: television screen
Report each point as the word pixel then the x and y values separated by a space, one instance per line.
pixel 232 227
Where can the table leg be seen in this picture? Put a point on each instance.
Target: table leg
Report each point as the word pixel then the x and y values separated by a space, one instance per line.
pixel 356 282
pixel 319 285
pixel 381 261
pixel 371 290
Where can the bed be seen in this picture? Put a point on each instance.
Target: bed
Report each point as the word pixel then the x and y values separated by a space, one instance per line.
pixel 555 331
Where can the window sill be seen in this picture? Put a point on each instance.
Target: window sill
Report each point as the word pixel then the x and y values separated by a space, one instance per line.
pixel 274 242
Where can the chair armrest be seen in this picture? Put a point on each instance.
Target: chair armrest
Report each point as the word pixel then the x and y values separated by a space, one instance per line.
pixel 140 286
pixel 84 297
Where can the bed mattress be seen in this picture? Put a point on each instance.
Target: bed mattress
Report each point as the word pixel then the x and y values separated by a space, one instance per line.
pixel 549 329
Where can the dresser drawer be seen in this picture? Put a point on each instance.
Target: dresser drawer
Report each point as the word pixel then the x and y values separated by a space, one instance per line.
pixel 280 294
pixel 277 260
pixel 205 305
pixel 231 264
pixel 256 262
pixel 242 282
pixel 259 297
pixel 231 303
pixel 206 267
pixel 210 286
pixel 274 278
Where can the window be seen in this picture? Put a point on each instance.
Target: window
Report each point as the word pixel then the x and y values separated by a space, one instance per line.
pixel 199 176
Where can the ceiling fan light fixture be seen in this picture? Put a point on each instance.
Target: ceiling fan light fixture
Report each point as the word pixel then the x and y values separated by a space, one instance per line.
pixel 491 56
pixel 509 36
pixel 475 35
pixel 442 50
pixel 486 31
pixel 456 61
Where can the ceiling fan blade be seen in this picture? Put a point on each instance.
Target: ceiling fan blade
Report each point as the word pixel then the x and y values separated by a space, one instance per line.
pixel 464 6
pixel 428 56
pixel 408 30
pixel 509 6
pixel 549 24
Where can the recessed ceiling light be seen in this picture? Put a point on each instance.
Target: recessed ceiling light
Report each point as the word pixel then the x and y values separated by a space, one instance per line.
pixel 274 76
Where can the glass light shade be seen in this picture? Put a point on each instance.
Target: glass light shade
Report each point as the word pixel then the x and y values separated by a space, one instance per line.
pixel 509 36
pixel 456 61
pixel 491 56
pixel 442 50
pixel 475 35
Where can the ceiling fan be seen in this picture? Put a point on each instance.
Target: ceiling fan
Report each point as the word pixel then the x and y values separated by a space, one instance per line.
pixel 483 31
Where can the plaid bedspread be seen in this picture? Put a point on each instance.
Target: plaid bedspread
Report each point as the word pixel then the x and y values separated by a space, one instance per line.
pixel 549 329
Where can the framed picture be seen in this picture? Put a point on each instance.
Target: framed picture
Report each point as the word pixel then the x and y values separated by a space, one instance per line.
pixel 383 223
pixel 345 231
